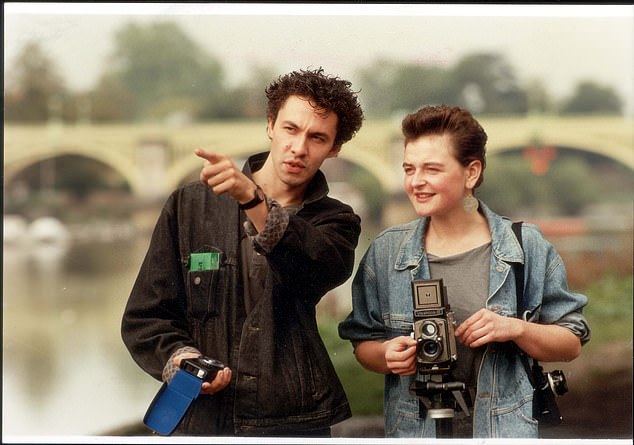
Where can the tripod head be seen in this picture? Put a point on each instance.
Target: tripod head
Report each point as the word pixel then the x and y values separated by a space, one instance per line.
pixel 439 398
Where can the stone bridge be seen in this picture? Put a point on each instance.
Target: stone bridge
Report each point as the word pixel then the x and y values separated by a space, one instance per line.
pixel 154 159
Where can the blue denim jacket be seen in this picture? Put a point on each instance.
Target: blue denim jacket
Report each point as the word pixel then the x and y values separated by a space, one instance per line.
pixel 382 309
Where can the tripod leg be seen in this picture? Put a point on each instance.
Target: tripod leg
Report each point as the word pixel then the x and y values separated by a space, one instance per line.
pixel 444 428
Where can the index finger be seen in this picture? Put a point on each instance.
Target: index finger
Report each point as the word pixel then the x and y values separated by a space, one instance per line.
pixel 470 321
pixel 207 155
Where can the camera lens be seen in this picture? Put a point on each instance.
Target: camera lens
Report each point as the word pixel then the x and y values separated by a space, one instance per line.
pixel 431 349
pixel 429 329
pixel 557 381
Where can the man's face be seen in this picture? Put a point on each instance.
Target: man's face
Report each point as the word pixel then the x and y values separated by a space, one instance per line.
pixel 302 137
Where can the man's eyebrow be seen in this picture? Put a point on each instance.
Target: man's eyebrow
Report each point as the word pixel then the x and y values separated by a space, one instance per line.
pixel 320 133
pixel 289 122
pixel 323 134
pixel 424 164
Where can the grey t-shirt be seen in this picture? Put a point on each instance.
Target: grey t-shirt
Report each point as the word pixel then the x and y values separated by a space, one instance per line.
pixel 466 277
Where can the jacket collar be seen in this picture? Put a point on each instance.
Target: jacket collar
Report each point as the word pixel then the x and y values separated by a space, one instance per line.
pixel 317 187
pixel 504 245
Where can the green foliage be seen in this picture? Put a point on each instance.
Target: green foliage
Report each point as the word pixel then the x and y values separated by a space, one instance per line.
pixel 592 98
pixel 495 80
pixel 157 70
pixel 609 310
pixel 372 191
pixel 159 61
pixel 510 187
pixel 111 100
pixel 482 82
pixel 363 388
pixel 34 88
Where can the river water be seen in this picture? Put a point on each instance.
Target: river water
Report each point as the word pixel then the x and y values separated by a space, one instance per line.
pixel 66 371
pixel 65 368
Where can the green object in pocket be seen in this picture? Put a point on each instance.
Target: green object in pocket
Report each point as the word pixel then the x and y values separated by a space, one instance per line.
pixel 204 261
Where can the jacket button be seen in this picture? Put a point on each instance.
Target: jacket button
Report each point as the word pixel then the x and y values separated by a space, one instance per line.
pixel 499 268
pixel 197 281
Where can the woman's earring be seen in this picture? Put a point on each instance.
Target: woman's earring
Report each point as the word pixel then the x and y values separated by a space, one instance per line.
pixel 470 204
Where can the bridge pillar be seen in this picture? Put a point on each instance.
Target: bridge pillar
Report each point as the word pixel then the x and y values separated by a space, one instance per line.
pixel 152 161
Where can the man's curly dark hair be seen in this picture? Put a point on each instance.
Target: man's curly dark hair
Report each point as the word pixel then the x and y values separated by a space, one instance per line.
pixel 328 93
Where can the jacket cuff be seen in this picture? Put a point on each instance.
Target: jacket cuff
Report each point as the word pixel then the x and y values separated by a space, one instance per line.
pixel 577 324
pixel 171 368
pixel 274 228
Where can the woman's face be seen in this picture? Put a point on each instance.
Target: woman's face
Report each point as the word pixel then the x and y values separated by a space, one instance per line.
pixel 435 181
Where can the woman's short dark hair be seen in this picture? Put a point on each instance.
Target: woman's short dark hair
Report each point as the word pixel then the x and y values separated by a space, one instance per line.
pixel 324 92
pixel 468 136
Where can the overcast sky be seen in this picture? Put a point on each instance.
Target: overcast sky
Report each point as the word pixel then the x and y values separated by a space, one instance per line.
pixel 560 44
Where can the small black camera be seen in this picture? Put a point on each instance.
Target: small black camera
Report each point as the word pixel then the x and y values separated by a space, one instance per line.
pixel 547 386
pixel 204 368
pixel 434 326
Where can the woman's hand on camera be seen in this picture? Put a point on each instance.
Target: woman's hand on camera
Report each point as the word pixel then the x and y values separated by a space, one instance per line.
pixel 400 355
pixel 486 326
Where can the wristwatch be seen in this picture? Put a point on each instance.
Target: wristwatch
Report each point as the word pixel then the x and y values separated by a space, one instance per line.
pixel 258 197
pixel 174 398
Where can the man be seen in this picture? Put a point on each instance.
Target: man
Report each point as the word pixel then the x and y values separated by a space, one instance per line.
pixel 282 243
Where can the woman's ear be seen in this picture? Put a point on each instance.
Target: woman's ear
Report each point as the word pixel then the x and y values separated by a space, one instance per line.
pixel 474 170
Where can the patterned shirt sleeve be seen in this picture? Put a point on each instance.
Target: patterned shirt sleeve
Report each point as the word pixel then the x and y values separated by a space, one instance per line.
pixel 171 368
pixel 274 228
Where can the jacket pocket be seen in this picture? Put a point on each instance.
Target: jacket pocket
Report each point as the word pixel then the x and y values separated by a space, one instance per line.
pixel 515 420
pixel 202 291
pixel 204 288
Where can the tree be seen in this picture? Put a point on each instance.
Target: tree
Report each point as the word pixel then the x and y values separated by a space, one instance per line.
pixel 111 101
pixel 165 69
pixel 416 85
pixel 246 100
pixel 592 98
pixel 539 99
pixel 482 83
pixel 388 87
pixel 376 83
pixel 491 79
pixel 34 90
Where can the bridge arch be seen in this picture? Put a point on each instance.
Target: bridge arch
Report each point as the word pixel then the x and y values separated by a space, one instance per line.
pixel 377 147
pixel 120 164
pixel 612 137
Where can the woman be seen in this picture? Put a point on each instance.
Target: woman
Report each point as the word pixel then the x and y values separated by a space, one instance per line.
pixel 459 239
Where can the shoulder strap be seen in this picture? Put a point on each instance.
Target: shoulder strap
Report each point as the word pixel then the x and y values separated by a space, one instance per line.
pixel 518 271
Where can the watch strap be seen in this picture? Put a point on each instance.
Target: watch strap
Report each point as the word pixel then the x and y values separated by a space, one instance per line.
pixel 258 197
pixel 171 402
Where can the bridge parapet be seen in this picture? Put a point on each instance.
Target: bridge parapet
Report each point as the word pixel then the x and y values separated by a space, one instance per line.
pixel 377 147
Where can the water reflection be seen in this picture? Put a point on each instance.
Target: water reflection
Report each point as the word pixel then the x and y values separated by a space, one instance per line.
pixel 65 369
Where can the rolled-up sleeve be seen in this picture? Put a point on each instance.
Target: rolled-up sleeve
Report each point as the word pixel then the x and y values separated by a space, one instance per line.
pixel 577 324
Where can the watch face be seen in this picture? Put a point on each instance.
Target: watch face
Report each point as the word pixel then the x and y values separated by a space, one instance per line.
pixel 202 367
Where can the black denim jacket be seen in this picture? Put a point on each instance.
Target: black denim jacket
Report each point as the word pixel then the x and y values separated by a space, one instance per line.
pixel 282 374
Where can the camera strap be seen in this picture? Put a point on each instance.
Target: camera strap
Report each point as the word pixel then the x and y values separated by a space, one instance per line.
pixel 518 271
